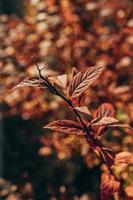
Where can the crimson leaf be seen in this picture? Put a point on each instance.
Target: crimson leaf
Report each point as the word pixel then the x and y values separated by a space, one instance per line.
pixel 110 122
pixel 104 121
pixel 106 154
pixel 32 82
pixel 66 126
pixel 84 112
pixel 105 110
pixel 124 158
pixel 109 185
pixel 82 80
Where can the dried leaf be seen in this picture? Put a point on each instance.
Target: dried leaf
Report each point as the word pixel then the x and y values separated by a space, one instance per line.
pixel 82 80
pixel 66 126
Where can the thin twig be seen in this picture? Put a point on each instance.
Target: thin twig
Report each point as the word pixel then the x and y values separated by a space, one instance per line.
pixel 68 101
pixel 53 90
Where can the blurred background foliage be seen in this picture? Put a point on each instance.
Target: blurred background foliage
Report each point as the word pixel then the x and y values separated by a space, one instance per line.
pixel 38 164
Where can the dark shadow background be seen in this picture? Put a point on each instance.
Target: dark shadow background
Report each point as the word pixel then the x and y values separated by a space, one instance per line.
pixel 12 7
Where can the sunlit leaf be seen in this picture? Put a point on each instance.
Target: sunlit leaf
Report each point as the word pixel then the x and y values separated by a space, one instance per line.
pixel 104 121
pixel 105 110
pixel 109 185
pixel 74 71
pixel 62 80
pixel 79 100
pixel 82 80
pixel 106 154
pixel 84 112
pixel 120 124
pixel 32 82
pixel 124 158
pixel 110 122
pixel 66 126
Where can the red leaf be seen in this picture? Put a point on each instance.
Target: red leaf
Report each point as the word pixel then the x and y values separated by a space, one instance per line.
pixel 74 71
pixel 62 81
pixel 120 124
pixel 107 155
pixel 105 110
pixel 66 126
pixel 109 186
pixel 110 122
pixel 98 130
pixel 78 101
pixel 81 99
pixel 82 80
pixel 104 121
pixel 32 82
pixel 84 112
pixel 124 158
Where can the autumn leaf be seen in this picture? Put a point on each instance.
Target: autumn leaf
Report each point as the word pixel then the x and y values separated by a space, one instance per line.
pixel 105 117
pixel 82 80
pixel 109 185
pixel 62 80
pixel 37 82
pixel 84 112
pixel 121 125
pixel 110 122
pixel 106 154
pixel 52 80
pixel 104 121
pixel 105 110
pixel 66 126
pixel 74 71
pixel 124 158
pixel 32 82
pixel 79 100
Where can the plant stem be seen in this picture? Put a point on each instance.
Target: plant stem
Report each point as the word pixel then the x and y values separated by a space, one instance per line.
pixel 93 142
pixel 88 137
pixel 68 101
